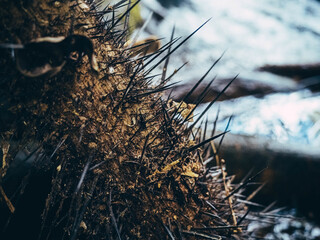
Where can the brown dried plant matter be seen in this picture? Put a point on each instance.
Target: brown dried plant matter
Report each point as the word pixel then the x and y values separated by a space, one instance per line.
pixel 122 166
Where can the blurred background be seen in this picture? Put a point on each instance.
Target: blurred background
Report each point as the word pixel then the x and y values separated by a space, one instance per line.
pixel 251 35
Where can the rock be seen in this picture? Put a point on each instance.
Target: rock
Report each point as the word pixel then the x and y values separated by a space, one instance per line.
pixel 239 88
pixel 297 72
pixel 291 171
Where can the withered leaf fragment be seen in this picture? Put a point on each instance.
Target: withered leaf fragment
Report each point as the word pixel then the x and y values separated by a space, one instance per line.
pixel 47 56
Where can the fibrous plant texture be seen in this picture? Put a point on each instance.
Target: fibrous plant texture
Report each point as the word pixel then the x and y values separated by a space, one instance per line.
pixel 123 160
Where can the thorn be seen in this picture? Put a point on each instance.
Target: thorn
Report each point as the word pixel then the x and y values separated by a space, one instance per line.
pixel 196 234
pixel 202 78
pixel 206 141
pixel 123 15
pixel 144 148
pixel 156 90
pixel 199 101
pixel 113 219
pixel 164 71
pixel 84 172
pixel 179 45
pixel 213 101
pixel 160 51
pixel 174 73
pixel 244 184
pixel 244 216
pixel 223 135
pixel 168 231
pixel 205 129
pixel 80 215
